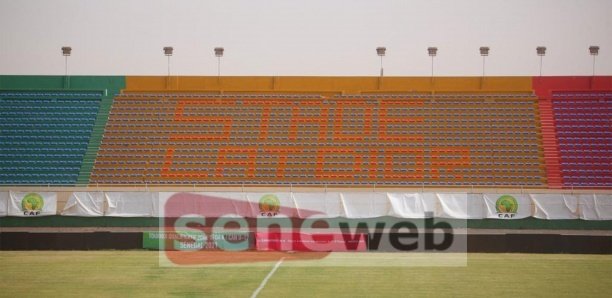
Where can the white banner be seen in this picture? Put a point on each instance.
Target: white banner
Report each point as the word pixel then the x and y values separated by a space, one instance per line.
pixel 595 207
pixel 27 204
pixel 411 205
pixel 364 205
pixel 132 204
pixel 85 204
pixel 507 206
pixel 460 205
pixel 555 206
pixel 308 204
pixel 323 203
pixel 4 198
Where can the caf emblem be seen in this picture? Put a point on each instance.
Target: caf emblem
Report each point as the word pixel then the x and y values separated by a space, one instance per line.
pixel 269 205
pixel 506 206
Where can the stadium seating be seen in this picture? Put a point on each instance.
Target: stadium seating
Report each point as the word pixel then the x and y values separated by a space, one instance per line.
pixel 399 139
pixel 584 133
pixel 45 135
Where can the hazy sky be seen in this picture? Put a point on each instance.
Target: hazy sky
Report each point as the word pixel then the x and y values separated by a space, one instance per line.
pixel 309 37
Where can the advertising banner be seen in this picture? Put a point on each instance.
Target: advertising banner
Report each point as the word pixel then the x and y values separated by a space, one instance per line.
pixel 311 242
pixel 31 204
pixel 192 240
pixel 507 206
pixel 271 205
pixel 279 205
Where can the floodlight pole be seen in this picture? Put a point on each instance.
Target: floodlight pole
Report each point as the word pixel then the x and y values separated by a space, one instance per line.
pixel 484 52
pixel 541 58
pixel 432 66
pixel 168 51
pixel 380 51
pixel 66 51
pixel 594 51
pixel 432 51
pixel 483 65
pixel 541 51
pixel 219 53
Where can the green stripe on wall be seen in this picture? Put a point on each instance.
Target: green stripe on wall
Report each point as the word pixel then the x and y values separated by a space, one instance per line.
pixel 111 84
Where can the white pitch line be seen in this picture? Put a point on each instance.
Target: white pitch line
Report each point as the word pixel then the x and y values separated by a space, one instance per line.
pixel 265 280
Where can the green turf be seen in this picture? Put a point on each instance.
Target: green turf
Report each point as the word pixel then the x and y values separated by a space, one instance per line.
pixel 137 274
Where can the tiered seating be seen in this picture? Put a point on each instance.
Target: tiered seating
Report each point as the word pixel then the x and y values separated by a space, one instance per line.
pixel 407 140
pixel 584 131
pixel 44 135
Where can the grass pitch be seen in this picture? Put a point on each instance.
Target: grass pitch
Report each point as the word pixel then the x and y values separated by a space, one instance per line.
pixel 137 274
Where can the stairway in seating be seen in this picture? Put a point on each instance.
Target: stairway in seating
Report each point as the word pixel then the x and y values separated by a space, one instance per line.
pixel 94 141
pixel 550 144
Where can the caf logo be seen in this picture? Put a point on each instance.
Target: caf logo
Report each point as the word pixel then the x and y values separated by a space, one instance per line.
pixel 269 205
pixel 506 206
pixel 32 204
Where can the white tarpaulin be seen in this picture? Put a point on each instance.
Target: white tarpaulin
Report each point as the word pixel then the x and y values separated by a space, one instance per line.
pixel 132 204
pixel 595 207
pixel 214 205
pixel 27 204
pixel 555 206
pixel 309 204
pixel 364 204
pixel 321 203
pixel 85 204
pixel 4 197
pixel 507 206
pixel 460 205
pixel 411 205
pixel 376 204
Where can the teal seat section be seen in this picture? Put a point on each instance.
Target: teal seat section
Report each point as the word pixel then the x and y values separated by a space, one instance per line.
pixel 44 136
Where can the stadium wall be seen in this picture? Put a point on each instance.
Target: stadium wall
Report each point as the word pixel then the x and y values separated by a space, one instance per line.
pixel 323 85
pixel 500 243
pixel 110 84
pixel 544 86
pixel 106 224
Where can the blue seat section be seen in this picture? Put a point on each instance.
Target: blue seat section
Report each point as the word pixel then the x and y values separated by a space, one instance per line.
pixel 44 135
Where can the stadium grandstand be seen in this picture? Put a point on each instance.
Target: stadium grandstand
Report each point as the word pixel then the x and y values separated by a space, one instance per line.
pixel 364 132
pixel 113 152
